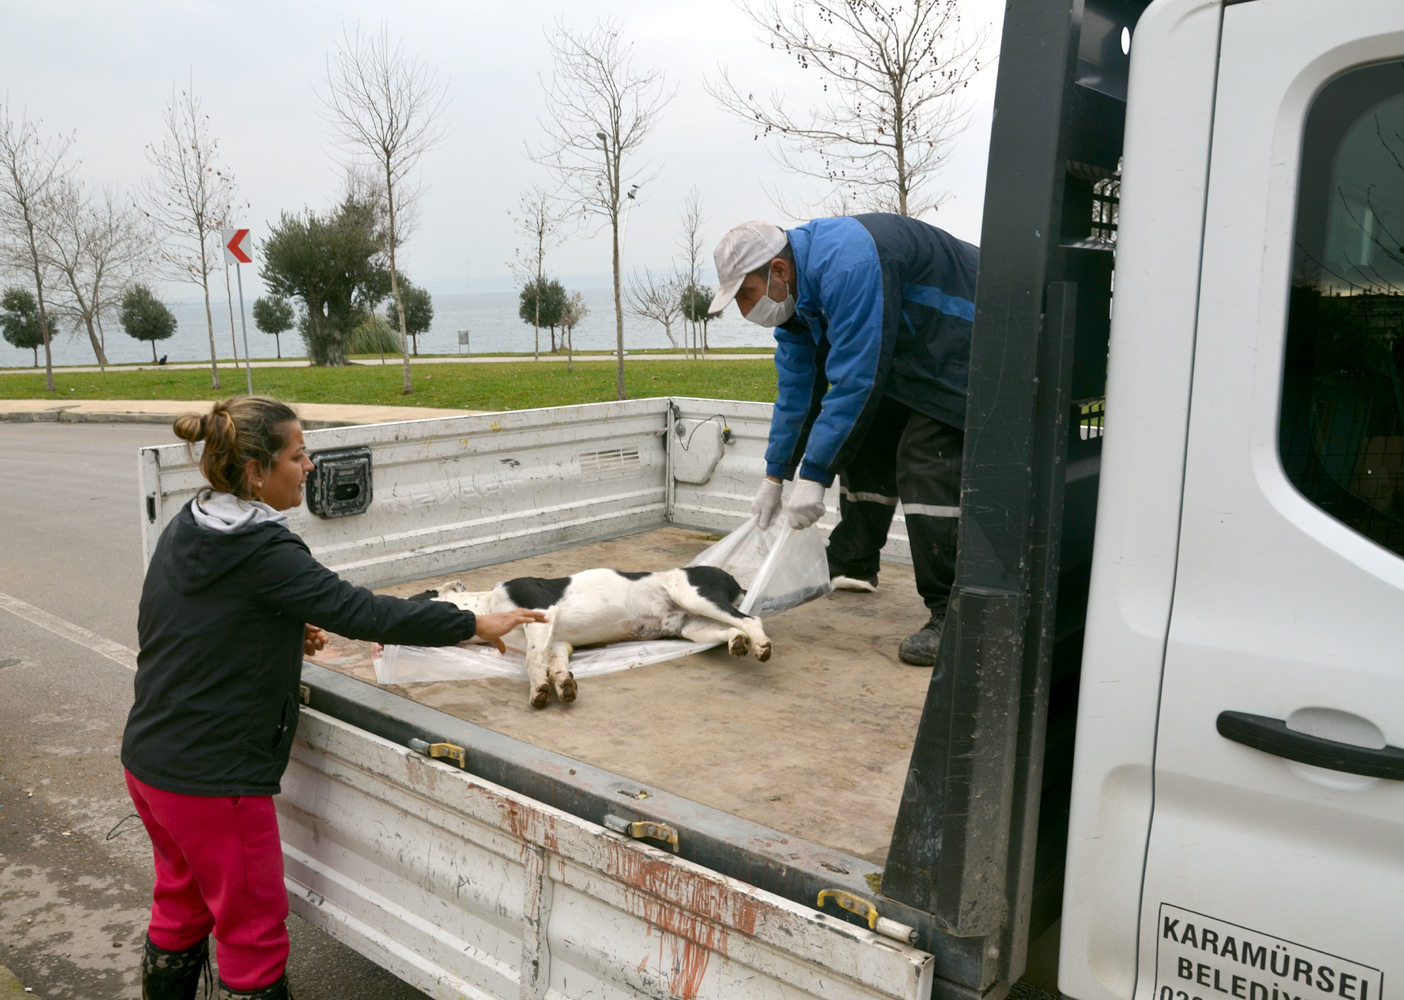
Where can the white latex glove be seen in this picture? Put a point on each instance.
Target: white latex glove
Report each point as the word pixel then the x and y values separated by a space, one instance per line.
pixel 766 503
pixel 806 504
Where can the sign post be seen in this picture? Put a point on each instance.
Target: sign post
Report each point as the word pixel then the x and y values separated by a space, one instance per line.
pixel 236 252
pixel 463 341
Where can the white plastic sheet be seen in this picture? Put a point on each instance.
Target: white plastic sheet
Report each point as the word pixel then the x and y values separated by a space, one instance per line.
pixel 779 567
pixel 422 664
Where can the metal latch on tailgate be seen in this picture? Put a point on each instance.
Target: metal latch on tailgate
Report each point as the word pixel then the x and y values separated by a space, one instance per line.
pixel 643 828
pixel 866 910
pixel 440 751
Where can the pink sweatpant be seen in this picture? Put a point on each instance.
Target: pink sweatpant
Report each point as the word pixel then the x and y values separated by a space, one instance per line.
pixel 219 867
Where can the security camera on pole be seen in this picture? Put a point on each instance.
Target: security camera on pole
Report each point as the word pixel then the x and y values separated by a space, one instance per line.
pixel 236 252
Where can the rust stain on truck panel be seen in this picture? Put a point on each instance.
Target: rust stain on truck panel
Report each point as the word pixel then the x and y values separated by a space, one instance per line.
pixel 530 824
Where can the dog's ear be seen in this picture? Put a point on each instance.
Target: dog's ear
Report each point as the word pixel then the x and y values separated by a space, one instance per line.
pixel 424 595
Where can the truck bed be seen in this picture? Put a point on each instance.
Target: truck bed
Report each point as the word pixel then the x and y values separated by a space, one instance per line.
pixel 814 743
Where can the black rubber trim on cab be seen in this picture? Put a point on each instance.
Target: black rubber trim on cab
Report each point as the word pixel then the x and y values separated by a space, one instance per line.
pixel 1272 736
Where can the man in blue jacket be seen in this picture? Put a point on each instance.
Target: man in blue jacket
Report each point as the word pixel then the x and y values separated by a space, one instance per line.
pixel 872 317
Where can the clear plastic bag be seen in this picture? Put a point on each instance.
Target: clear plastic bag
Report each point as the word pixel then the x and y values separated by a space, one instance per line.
pixel 743 552
pixel 422 664
pixel 779 568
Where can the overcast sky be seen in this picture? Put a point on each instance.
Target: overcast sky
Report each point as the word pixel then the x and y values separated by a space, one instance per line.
pixel 103 72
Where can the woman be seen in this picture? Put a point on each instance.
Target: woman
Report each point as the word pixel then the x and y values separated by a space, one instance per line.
pixel 222 625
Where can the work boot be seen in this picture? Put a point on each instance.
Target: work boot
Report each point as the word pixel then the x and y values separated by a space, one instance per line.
pixel 278 991
pixel 865 585
pixel 173 975
pixel 919 648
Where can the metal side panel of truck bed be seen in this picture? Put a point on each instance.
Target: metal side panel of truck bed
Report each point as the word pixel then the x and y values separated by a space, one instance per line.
pixel 466 889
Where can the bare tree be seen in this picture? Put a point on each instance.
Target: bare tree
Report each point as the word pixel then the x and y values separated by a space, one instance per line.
pixel 31 168
pixel 891 72
pixel 385 107
pixel 571 316
pixel 694 255
pixel 188 198
pixel 98 246
pixel 540 220
pixel 599 110
pixel 658 299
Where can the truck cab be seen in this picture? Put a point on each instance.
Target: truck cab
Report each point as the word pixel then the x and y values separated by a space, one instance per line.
pixel 1237 804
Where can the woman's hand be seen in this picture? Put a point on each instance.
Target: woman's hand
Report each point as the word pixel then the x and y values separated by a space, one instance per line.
pixel 313 640
pixel 494 627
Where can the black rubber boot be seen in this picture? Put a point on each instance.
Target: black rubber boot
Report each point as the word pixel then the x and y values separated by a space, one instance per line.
pixel 278 991
pixel 919 648
pixel 174 975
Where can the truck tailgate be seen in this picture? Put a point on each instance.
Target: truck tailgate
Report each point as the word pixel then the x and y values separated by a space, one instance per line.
pixel 466 889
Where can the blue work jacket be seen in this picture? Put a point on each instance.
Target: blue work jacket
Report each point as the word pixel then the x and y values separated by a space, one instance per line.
pixel 884 308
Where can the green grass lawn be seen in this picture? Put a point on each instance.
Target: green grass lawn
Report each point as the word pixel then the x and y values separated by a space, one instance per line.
pixel 503 386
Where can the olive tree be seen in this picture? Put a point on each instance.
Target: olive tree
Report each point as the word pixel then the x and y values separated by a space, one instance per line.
pixel 419 311
pixel 19 321
pixel 145 317
pixel 335 266
pixel 274 314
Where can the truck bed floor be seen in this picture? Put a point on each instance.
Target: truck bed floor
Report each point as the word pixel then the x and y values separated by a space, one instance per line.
pixel 814 742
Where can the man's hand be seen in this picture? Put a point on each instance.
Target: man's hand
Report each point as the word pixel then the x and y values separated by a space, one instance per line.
pixel 494 627
pixel 767 502
pixel 806 504
pixel 313 640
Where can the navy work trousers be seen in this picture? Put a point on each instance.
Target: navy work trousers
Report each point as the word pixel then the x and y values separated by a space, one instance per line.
pixel 913 458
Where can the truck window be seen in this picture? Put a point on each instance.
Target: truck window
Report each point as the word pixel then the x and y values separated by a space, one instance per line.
pixel 1342 421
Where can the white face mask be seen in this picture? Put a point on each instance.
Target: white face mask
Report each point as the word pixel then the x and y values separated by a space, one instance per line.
pixel 768 312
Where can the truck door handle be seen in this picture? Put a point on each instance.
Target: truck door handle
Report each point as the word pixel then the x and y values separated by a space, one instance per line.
pixel 1272 736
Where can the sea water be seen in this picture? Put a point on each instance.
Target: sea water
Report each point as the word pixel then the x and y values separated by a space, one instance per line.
pixel 491 318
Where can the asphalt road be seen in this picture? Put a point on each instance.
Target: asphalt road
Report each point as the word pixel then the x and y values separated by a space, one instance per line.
pixel 75 864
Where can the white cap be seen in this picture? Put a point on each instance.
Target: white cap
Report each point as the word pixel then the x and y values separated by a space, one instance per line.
pixel 748 247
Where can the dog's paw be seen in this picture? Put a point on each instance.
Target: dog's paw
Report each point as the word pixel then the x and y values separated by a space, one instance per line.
pixel 739 644
pixel 762 650
pixel 540 695
pixel 566 689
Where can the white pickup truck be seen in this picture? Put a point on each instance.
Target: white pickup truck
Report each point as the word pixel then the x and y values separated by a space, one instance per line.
pixel 1204 597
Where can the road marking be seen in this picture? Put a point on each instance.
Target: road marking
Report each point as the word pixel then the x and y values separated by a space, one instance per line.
pixel 114 651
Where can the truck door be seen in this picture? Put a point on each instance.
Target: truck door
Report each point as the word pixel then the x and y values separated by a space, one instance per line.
pixel 1275 865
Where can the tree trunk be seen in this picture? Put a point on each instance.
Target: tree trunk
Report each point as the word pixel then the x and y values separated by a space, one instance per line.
pixel 97 344
pixel 570 349
pixel 154 360
pixel 209 322
pixel 44 329
pixel 668 331
pixel 278 340
pixel 395 279
pixel 229 297
pixel 36 355
pixel 618 308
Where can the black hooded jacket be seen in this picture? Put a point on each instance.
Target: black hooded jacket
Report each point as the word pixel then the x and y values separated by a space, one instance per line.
pixel 221 630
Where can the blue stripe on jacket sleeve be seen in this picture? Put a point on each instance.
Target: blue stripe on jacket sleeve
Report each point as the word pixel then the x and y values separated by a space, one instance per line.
pixel 853 301
pixel 795 373
pixel 951 305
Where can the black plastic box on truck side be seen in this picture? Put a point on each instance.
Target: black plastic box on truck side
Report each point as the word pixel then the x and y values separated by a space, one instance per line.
pixel 975 863
pixel 981 834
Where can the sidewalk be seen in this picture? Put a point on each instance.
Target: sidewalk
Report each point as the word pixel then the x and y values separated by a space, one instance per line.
pixel 164 411
pixel 229 365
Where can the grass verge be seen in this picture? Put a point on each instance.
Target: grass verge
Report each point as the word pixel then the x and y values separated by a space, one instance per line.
pixel 469 387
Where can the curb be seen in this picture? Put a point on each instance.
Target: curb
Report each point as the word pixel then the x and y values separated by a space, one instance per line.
pixel 10 988
pixel 63 416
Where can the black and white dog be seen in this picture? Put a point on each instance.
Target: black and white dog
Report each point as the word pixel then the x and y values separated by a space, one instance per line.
pixel 599 606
